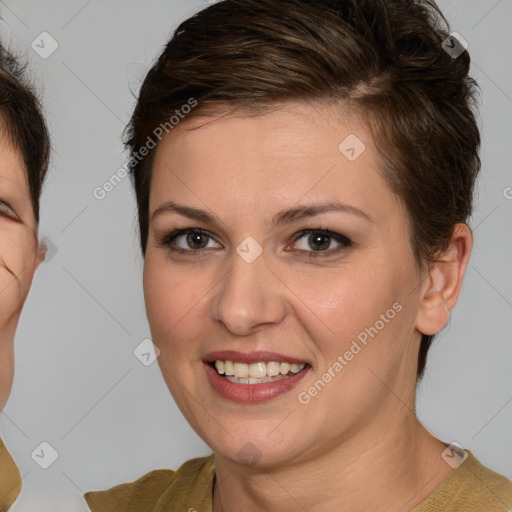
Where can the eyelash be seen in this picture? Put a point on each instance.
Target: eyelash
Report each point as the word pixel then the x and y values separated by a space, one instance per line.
pixel 166 241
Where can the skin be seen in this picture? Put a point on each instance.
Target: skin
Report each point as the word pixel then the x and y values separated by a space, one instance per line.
pixel 357 445
pixel 20 255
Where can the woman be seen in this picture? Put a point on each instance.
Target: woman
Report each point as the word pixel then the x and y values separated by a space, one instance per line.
pixel 24 147
pixel 303 220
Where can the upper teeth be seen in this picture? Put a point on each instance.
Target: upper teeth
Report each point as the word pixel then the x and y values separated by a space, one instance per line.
pixel 257 370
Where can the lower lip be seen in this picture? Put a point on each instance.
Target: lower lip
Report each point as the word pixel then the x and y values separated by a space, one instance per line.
pixel 251 393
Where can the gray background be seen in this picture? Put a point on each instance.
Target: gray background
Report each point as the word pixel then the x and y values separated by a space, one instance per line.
pixel 78 385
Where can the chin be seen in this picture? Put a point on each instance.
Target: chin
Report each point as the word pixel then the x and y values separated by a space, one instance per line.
pixel 254 447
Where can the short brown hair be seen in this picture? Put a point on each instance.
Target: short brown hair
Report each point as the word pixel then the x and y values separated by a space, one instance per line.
pixel 383 59
pixel 23 123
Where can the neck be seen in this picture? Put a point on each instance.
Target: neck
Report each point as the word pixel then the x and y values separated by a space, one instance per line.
pixel 390 469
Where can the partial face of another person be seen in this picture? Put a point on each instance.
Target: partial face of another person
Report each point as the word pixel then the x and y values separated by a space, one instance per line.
pixel 19 254
pixel 246 282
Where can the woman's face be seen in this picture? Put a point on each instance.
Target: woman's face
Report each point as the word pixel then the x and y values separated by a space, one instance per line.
pixel 276 276
pixel 19 255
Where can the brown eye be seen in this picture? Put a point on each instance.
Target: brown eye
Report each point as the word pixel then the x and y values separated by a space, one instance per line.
pixel 197 240
pixel 7 211
pixel 319 242
pixel 188 240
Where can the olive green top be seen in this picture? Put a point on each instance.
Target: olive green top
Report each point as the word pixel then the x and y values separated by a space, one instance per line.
pixel 471 487
pixel 10 479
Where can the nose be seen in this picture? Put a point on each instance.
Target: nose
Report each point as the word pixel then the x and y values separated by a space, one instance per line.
pixel 250 297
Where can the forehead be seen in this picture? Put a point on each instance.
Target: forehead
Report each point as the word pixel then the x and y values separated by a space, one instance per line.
pixel 287 154
pixel 13 177
pixel 266 142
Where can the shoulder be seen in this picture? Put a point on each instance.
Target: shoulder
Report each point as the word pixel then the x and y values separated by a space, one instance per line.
pixel 10 479
pixel 191 482
pixel 488 486
pixel 471 487
pixel 121 498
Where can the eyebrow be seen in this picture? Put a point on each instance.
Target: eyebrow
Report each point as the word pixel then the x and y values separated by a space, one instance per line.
pixel 283 217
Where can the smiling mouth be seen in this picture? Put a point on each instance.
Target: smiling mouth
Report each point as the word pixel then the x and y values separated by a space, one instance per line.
pixel 257 373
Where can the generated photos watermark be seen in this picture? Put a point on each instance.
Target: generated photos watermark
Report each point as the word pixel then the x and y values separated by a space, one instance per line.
pixel 355 348
pixel 111 183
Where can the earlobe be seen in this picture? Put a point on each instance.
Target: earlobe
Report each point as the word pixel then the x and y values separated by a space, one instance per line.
pixel 444 282
pixel 434 313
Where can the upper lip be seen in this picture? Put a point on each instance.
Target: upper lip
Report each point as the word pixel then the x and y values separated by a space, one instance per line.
pixel 248 358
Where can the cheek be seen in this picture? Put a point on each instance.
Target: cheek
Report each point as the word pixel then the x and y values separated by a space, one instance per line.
pixel 344 301
pixel 17 247
pixel 173 304
pixel 10 295
pixel 17 253
pixel 158 299
pixel 176 317
pixel 358 317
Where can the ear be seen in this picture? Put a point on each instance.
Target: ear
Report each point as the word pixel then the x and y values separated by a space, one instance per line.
pixel 444 282
pixel 41 251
